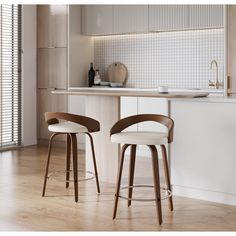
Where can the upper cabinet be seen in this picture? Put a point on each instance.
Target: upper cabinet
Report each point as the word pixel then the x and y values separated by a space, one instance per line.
pixel 97 19
pixel 120 19
pixel 117 19
pixel 183 17
pixel 205 16
pixel 168 17
pixel 130 18
pixel 52 26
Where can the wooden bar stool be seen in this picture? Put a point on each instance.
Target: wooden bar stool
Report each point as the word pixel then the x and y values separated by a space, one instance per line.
pixel 134 138
pixel 70 124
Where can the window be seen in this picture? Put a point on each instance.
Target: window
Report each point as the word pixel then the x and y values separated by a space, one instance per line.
pixel 10 75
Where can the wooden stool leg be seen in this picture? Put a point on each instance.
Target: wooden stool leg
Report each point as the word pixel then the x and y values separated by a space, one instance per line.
pixel 131 171
pixel 68 152
pixel 94 161
pixel 118 182
pixel 75 164
pixel 155 167
pixel 167 175
pixel 47 165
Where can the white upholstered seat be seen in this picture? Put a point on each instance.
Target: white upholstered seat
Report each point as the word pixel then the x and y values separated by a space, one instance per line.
pixel 67 127
pixel 140 137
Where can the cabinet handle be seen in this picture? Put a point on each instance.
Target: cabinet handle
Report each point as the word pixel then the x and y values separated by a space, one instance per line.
pixel 228 85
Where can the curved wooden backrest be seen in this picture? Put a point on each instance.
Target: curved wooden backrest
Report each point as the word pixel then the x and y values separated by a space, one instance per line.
pixel 54 117
pixel 131 120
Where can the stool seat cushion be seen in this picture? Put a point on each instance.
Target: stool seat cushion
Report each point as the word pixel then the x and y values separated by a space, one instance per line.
pixel 140 137
pixel 67 127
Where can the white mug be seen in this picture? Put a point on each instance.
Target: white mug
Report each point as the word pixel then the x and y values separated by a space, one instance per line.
pixel 163 89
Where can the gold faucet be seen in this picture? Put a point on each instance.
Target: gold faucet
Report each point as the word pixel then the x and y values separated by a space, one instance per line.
pixel 215 84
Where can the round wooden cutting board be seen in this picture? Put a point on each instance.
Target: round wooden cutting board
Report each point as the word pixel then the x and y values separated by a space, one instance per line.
pixel 116 73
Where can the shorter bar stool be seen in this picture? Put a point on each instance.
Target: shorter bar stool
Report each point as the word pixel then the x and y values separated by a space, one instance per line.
pixel 151 139
pixel 70 124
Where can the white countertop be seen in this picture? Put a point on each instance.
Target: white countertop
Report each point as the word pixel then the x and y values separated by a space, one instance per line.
pixel 130 92
pixel 189 95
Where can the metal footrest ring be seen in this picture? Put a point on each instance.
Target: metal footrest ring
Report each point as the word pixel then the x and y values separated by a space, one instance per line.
pixel 168 193
pixel 54 175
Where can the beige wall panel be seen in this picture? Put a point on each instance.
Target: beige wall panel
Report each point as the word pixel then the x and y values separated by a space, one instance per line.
pixel 231 48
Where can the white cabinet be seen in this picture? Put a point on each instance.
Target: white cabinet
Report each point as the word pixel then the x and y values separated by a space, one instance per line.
pixel 108 19
pixel 152 106
pixel 168 17
pixel 180 17
pixel 203 151
pixel 144 105
pixel 118 19
pixel 205 16
pixel 97 19
pixel 130 18
pixel 129 107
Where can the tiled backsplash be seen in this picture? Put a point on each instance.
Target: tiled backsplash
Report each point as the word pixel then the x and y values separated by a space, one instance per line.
pixel 176 59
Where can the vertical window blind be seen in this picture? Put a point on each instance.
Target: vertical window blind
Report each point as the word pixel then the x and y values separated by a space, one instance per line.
pixel 10 76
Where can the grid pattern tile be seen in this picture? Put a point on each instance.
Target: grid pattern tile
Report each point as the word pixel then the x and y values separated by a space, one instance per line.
pixel 178 59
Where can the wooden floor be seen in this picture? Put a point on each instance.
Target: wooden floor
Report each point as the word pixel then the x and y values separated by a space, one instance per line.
pixel 23 208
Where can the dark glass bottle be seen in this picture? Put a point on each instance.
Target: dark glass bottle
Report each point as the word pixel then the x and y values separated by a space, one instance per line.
pixel 91 75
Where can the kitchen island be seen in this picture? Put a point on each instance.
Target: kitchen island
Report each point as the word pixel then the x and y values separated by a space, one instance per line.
pixel 202 156
pixel 103 104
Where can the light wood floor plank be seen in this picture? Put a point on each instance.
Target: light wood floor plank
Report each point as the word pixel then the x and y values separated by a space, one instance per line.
pixel 23 208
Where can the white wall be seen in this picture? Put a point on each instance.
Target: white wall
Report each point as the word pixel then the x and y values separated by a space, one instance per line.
pixel 29 74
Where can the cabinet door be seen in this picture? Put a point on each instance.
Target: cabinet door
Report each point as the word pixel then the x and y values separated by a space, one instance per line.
pixel 168 17
pixel 44 26
pixel 60 22
pixel 97 19
pixel 152 106
pixel 130 18
pixel 205 16
pixel 128 107
pixel 52 26
pixel 49 102
pixel 52 68
pixel 204 133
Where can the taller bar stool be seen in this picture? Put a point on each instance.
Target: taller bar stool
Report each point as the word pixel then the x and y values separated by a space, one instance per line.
pixel 134 138
pixel 71 124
